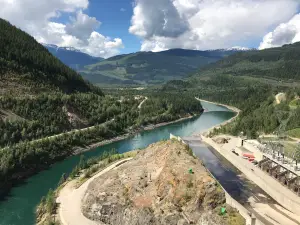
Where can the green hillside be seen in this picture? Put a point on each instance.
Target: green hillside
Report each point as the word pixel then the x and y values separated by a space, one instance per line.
pixel 26 67
pixel 250 80
pixel 266 66
pixel 48 112
pixel 150 67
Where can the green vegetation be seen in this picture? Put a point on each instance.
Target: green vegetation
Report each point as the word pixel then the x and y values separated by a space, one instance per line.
pixel 47 208
pixel 279 64
pixel 294 133
pixel 108 116
pixel 163 107
pixel 150 67
pixel 249 81
pixel 295 103
pixel 233 217
pixel 26 67
pixel 48 112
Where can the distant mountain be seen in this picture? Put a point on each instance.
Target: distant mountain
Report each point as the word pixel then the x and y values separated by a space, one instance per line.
pixel 72 57
pixel 151 67
pixel 268 65
pixel 27 67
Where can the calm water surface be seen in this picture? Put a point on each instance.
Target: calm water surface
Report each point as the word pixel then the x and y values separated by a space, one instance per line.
pixel 18 208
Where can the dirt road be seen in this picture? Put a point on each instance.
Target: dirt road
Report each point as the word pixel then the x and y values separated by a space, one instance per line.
pixel 69 211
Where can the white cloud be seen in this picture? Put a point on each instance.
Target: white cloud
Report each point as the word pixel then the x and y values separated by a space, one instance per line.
pixel 285 33
pixel 82 26
pixel 157 18
pixel 206 24
pixel 36 18
pixel 123 10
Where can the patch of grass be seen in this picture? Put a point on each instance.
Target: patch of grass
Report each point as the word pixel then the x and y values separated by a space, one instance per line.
pixel 190 184
pixel 190 151
pixel 233 217
pixel 294 133
pixel 295 103
pixel 46 209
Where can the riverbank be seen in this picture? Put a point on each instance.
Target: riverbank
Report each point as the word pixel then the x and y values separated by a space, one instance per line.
pixel 5 188
pixel 78 180
pixel 217 126
pixel 69 199
pixel 28 195
pixel 220 104
pixel 127 135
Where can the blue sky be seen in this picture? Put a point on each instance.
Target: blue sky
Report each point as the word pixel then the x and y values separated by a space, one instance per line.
pixel 101 28
pixel 115 23
pixel 115 17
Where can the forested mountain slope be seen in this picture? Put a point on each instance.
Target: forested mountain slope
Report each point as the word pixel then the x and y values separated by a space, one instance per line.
pixel 72 57
pixel 47 110
pixel 27 67
pixel 250 80
pixel 151 67
pixel 279 64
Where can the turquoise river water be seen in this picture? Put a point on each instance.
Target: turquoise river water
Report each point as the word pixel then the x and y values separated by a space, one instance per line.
pixel 18 208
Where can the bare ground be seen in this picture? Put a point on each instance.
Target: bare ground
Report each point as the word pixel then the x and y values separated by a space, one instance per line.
pixel 155 187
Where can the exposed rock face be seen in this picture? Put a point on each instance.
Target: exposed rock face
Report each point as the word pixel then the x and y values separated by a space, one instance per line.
pixel 156 187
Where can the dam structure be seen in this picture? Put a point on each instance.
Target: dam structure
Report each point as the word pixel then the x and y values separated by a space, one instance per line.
pixel 257 202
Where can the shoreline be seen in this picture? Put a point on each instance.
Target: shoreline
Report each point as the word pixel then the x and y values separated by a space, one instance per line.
pixel 232 108
pixel 127 135
pixel 217 126
pixel 70 212
pixel 6 188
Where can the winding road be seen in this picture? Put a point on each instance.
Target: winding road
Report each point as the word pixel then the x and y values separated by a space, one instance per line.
pixel 69 200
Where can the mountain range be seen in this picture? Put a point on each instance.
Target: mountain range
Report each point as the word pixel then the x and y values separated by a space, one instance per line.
pixel 151 67
pixel 141 67
pixel 71 56
pixel 273 66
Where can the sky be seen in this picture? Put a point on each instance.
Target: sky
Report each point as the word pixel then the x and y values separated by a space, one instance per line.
pixel 106 28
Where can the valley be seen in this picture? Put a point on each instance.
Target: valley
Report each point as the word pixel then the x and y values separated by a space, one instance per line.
pixel 59 105
pixel 144 68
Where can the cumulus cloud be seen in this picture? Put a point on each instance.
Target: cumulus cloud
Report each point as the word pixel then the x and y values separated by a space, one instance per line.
pixel 82 26
pixel 206 24
pixel 157 18
pixel 36 18
pixel 285 33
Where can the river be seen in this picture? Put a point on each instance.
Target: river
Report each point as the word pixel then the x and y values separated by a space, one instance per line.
pixel 18 208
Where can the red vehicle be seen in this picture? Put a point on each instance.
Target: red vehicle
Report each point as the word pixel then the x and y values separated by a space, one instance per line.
pixel 249 155
pixel 251 159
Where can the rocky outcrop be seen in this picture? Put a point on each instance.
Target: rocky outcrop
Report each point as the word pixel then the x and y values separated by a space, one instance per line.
pixel 163 184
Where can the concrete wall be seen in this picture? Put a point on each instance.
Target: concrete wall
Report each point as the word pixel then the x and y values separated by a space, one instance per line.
pixel 229 200
pixel 177 138
pixel 271 186
pixel 242 210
